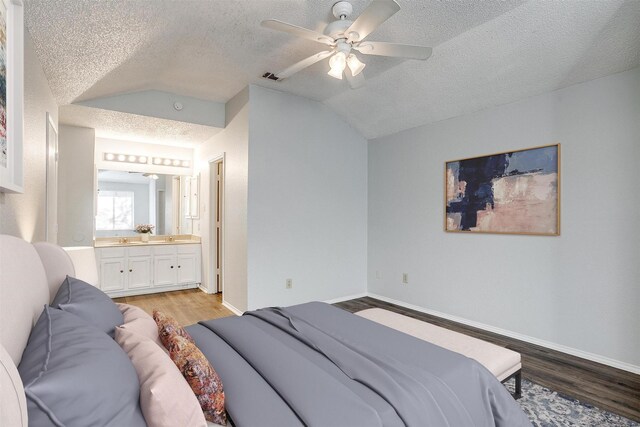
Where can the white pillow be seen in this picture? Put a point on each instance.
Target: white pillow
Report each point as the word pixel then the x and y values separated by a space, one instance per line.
pixel 139 321
pixel 165 396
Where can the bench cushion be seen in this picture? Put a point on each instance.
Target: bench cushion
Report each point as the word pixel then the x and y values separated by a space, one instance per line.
pixel 501 361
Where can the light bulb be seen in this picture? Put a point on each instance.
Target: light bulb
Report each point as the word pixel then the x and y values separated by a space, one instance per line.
pixel 167 162
pixel 337 63
pixel 157 160
pixel 355 65
pixel 176 162
pixel 132 159
pixel 122 157
pixel 109 156
pixel 185 163
pixel 142 159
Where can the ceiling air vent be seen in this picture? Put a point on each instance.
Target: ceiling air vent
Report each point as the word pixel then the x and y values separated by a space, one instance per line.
pixel 270 76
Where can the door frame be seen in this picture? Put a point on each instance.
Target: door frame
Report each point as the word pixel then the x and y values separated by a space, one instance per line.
pixel 213 161
pixel 51 178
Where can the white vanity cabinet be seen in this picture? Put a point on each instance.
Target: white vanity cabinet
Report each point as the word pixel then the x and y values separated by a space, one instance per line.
pixel 139 265
pixel 142 269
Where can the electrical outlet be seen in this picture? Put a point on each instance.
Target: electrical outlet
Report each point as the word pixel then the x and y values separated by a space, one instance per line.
pixel 288 284
pixel 405 278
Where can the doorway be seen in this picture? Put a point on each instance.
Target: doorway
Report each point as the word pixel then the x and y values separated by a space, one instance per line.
pixel 216 227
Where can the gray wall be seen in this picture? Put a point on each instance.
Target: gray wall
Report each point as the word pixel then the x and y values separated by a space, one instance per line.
pixel 233 141
pixel 23 215
pixel 75 185
pixel 579 292
pixel 307 217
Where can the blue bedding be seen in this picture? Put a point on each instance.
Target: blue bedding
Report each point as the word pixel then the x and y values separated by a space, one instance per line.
pixel 317 365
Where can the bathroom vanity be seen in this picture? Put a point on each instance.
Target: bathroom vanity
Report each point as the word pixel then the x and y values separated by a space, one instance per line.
pixel 129 266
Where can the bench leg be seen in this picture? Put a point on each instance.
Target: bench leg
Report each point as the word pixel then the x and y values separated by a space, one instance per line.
pixel 518 377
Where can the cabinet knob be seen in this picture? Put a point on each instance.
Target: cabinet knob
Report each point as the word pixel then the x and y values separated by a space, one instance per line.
pixel 179 266
pixel 121 271
pixel 172 266
pixel 130 270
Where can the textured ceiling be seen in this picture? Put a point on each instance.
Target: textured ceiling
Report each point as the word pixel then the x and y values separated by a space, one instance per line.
pixel 486 53
pixel 133 127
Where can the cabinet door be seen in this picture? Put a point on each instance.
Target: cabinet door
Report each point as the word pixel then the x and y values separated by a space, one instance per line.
pixel 187 269
pixel 139 272
pixel 112 274
pixel 165 270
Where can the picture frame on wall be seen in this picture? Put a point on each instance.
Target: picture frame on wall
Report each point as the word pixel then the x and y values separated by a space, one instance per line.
pixel 514 192
pixel 11 96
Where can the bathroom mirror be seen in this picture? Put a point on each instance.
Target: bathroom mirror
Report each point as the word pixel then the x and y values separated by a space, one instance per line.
pixel 127 199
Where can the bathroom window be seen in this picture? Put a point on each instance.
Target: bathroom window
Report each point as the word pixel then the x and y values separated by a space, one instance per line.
pixel 115 210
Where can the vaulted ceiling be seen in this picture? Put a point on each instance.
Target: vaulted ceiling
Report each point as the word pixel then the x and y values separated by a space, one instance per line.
pixel 486 53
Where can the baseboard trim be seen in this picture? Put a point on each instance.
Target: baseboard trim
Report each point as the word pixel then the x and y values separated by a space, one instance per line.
pixel 233 309
pixel 346 298
pixel 543 343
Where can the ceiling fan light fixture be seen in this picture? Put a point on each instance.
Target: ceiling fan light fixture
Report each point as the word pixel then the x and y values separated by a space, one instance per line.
pixel 355 65
pixel 337 62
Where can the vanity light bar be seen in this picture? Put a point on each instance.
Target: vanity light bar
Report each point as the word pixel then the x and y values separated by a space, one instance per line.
pixel 164 161
pixel 125 158
pixel 160 161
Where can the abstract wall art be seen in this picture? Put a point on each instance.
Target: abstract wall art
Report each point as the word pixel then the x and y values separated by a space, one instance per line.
pixel 3 84
pixel 11 96
pixel 516 192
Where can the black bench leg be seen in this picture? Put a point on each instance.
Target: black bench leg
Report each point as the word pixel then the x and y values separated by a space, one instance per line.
pixel 518 377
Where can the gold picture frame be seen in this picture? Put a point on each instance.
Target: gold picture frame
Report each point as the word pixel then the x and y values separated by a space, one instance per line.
pixel 510 192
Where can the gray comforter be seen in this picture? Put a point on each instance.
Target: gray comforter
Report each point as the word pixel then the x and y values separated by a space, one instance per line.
pixel 317 365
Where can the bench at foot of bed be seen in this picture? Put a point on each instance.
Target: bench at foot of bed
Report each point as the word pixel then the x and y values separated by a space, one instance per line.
pixel 502 362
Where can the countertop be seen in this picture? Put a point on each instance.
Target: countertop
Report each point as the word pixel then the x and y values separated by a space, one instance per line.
pixel 110 242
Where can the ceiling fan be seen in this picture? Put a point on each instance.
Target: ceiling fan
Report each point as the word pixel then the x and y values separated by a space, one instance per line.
pixel 343 37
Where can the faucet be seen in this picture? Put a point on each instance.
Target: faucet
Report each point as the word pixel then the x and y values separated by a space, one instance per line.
pixel 123 240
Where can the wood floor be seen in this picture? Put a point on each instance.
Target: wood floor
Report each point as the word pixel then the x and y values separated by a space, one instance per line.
pixel 605 387
pixel 187 307
pixel 608 388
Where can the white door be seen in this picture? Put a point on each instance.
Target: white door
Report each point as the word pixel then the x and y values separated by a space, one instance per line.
pixel 139 272
pixel 216 197
pixel 187 268
pixel 165 270
pixel 112 274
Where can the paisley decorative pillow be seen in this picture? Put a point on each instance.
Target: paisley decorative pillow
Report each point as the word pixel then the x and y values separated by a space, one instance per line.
pixel 194 366
pixel 202 378
pixel 167 327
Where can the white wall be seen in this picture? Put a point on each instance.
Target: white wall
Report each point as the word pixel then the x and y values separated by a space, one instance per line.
pixel 23 215
pixel 233 142
pixel 580 290
pixel 75 185
pixel 307 206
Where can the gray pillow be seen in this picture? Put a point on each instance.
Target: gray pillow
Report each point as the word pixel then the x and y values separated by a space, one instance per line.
pixel 75 375
pixel 88 303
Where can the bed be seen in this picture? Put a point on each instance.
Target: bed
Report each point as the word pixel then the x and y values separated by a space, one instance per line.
pixel 310 364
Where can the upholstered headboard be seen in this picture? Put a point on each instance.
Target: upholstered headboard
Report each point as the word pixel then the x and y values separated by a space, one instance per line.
pixel 29 278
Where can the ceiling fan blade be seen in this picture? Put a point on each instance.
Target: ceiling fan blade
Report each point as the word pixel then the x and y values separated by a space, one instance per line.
pixel 274 24
pixel 394 49
pixel 375 14
pixel 287 72
pixel 354 81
